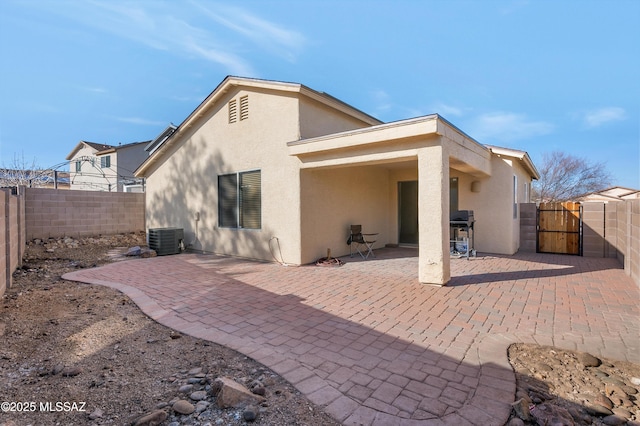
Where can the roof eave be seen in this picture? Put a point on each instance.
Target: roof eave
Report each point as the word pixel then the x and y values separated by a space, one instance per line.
pixel 523 156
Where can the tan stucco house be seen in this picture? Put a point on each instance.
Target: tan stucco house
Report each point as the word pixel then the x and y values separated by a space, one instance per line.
pixel 100 167
pixel 262 162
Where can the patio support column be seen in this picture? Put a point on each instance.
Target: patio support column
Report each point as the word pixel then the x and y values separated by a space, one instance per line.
pixel 433 214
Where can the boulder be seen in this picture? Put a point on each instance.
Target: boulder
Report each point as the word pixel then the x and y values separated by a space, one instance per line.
pixel 548 414
pixel 183 407
pixel 152 419
pixel 232 394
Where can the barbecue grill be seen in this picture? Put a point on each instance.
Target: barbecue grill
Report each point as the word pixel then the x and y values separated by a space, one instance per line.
pixel 462 221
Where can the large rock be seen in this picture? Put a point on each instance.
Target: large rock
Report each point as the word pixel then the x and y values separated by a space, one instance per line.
pixel 183 407
pixel 152 419
pixel 521 408
pixel 548 414
pixel 232 394
pixel 588 360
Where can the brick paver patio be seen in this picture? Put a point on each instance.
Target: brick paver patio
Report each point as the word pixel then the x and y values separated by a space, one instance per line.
pixel 370 344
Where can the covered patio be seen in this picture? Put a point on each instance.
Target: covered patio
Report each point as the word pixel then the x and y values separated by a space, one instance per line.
pixel 356 177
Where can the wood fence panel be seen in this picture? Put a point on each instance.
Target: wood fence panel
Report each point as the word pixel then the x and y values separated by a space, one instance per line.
pixel 559 228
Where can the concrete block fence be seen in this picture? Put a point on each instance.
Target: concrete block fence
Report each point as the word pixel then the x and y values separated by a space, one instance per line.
pixel 30 213
pixel 608 230
pixel 60 213
pixel 12 235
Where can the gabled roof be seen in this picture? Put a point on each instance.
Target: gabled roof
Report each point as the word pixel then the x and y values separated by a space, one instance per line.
pixel 96 146
pixel 613 193
pixel 161 143
pixel 101 148
pixel 520 155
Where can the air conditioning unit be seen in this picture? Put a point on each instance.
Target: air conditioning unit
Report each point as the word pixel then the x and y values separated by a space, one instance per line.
pixel 165 240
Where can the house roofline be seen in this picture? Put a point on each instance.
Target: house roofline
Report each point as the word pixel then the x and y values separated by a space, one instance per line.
pixel 523 156
pixel 101 148
pixel 234 81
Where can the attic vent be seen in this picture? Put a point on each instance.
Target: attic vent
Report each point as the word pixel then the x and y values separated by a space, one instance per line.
pixel 233 111
pixel 244 107
pixel 165 240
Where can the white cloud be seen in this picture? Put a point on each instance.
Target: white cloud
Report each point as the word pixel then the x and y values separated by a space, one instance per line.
pixel 94 89
pixel 214 32
pixel 381 101
pixel 269 35
pixel 507 127
pixel 446 110
pixel 602 116
pixel 140 121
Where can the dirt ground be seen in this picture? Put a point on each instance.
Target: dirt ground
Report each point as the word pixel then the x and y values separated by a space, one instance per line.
pixel 75 354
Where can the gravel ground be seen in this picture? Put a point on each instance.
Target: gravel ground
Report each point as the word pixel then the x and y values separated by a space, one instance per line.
pixel 75 354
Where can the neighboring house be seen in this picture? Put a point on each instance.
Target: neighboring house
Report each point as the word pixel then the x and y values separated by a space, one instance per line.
pixel 267 169
pixel 615 193
pixel 99 167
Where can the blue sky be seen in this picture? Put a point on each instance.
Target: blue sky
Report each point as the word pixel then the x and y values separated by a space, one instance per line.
pixel 539 76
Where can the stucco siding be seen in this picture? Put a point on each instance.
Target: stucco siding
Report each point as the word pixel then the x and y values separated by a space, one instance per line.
pixel 128 159
pixel 335 198
pixel 317 119
pixel 496 230
pixel 185 183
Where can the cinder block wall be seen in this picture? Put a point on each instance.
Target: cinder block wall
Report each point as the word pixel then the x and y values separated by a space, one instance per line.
pixel 11 236
pixel 628 228
pixel 5 274
pixel 609 230
pixel 528 226
pixel 59 213
pixel 594 243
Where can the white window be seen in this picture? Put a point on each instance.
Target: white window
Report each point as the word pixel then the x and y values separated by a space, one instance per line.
pixel 105 161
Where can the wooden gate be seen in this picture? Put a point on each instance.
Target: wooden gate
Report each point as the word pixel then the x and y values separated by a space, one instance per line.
pixel 560 228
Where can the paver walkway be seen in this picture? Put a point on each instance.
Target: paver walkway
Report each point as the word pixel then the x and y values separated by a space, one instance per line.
pixel 370 344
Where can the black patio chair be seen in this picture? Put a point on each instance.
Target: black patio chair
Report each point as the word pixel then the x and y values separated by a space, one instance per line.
pixel 360 242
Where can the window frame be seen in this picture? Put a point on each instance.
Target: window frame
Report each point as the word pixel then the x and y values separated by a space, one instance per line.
pixel 235 210
pixel 78 166
pixel 105 161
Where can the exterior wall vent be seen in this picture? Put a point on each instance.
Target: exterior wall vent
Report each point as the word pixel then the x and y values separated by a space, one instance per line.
pixel 244 107
pixel 233 111
pixel 165 240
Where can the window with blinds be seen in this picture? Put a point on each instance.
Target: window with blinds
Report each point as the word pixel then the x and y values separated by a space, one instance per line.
pixel 240 200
